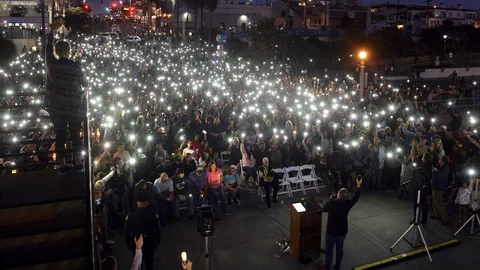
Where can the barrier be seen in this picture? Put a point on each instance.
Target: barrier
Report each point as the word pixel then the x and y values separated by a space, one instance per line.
pixel 432 73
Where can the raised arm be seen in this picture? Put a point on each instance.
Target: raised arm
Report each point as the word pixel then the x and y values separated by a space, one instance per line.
pixel 50 56
pixel 242 148
pixel 472 140
pixel 413 152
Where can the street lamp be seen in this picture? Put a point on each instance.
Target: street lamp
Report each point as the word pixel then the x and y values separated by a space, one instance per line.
pixel 444 43
pixel 362 55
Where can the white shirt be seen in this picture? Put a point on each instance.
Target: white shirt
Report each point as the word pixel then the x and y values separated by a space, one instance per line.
pixel 125 156
pixel 381 156
pixel 187 151
pixel 163 186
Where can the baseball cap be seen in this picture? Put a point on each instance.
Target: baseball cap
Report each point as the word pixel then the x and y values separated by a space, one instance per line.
pixel 399 119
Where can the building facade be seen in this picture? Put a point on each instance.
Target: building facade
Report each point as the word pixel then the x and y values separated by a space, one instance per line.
pixel 233 16
pixel 414 19
pixel 319 14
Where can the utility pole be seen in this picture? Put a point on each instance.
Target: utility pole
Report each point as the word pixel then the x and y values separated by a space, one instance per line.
pixel 398 7
pixel 326 13
pixel 428 12
pixel 177 7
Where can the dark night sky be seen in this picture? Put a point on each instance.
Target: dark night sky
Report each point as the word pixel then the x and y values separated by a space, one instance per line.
pixel 470 4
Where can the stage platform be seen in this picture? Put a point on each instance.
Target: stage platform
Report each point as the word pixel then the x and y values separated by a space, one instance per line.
pixel 246 238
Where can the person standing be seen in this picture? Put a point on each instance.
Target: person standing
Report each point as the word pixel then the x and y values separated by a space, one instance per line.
pixel 421 174
pixel 64 98
pixel 144 222
pixel 439 184
pixel 337 225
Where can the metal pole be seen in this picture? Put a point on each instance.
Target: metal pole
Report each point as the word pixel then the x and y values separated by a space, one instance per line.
pixel 89 200
pixel 362 77
pixel 444 45
pixel 207 254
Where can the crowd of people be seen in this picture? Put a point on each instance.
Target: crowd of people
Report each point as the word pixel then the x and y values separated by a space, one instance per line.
pixel 179 128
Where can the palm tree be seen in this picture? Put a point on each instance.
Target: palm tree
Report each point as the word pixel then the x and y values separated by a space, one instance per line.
pixel 190 4
pixel 211 6
pixel 266 36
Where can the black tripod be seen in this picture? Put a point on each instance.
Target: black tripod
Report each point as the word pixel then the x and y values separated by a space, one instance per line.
pixel 416 230
pixel 207 254
pixel 474 215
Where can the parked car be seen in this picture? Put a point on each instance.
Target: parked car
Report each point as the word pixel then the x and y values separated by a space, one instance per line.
pixel 133 39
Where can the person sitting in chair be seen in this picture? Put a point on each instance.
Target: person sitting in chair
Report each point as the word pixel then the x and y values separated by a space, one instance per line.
pixel 268 180
pixel 232 185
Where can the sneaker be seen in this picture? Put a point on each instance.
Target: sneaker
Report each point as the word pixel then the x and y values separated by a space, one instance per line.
pixel 110 242
pixel 65 170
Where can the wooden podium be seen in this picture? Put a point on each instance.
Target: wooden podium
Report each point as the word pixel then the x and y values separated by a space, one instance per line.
pixel 305 228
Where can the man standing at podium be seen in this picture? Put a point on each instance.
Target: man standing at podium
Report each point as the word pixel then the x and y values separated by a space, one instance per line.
pixel 337 225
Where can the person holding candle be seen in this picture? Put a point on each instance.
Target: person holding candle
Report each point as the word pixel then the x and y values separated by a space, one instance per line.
pixel 214 188
pixel 268 180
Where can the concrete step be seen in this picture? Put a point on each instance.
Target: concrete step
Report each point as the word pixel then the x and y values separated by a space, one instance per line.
pixel 43 248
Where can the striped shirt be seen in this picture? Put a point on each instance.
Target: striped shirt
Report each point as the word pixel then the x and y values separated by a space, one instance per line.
pixel 64 95
pixel 137 261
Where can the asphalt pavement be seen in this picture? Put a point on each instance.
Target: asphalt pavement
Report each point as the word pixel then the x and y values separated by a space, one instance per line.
pixel 246 239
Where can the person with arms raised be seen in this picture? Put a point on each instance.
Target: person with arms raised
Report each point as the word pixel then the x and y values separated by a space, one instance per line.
pixel 338 208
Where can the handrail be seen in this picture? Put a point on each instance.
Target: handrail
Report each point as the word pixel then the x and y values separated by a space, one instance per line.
pixel 89 196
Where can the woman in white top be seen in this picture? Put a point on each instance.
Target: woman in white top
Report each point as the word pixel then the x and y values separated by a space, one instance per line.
pixel 121 153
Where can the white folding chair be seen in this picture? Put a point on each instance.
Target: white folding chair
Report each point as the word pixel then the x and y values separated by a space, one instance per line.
pixel 282 184
pixel 293 177
pixel 225 156
pixel 308 176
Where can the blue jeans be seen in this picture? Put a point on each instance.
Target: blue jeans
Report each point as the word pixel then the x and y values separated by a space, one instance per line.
pixel 176 204
pixel 377 184
pixel 331 241
pixel 165 210
pixel 215 195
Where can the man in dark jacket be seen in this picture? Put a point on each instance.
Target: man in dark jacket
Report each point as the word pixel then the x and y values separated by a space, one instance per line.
pixel 337 225
pixel 143 222
pixel 439 184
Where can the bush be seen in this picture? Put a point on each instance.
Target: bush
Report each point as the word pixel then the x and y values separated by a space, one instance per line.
pixel 8 51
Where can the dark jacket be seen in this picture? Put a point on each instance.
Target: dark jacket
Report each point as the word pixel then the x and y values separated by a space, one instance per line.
pixel 143 221
pixel 440 178
pixel 420 180
pixel 337 224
